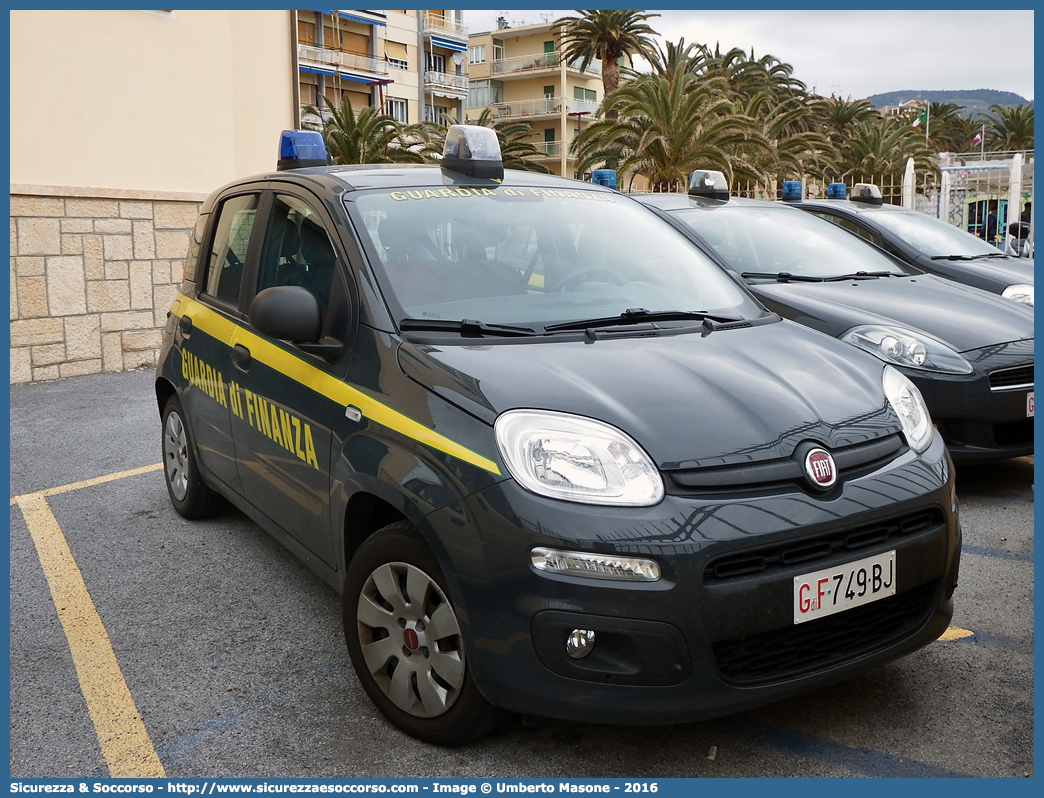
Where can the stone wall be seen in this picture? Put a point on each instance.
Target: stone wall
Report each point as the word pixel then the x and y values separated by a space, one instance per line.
pixel 93 274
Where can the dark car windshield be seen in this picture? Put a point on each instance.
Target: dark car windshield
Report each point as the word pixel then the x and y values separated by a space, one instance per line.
pixel 772 240
pixel 931 236
pixel 535 256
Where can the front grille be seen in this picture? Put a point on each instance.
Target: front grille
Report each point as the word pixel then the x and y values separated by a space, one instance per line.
pixel 1015 433
pixel 792 552
pixel 1012 379
pixel 787 472
pixel 802 648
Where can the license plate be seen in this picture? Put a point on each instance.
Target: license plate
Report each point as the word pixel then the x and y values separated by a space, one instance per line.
pixel 843 587
pixel 1029 405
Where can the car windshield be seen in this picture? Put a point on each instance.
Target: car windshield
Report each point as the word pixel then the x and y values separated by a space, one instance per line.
pixel 771 240
pixel 535 256
pixel 931 236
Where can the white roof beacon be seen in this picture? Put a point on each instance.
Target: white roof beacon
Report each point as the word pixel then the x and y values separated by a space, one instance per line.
pixel 867 193
pixel 473 150
pixel 709 184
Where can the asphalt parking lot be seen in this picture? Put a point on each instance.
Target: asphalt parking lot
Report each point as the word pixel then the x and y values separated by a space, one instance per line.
pixel 144 644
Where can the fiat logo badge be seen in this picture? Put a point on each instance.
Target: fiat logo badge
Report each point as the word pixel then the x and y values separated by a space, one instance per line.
pixel 820 468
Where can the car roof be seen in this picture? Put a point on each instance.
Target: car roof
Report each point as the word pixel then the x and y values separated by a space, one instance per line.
pixel 677 202
pixel 848 205
pixel 359 177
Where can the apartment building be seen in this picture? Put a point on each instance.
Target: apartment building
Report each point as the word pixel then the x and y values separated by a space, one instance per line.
pixel 518 73
pixel 408 63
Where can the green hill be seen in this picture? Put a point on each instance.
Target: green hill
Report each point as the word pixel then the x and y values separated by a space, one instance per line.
pixel 975 101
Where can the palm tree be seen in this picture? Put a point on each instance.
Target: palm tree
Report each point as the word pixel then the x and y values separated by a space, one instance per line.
pixel 876 151
pixel 370 137
pixel 1009 128
pixel 837 116
pixel 667 127
pixel 605 36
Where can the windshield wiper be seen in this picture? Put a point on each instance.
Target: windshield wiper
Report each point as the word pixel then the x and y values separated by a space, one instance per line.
pixel 783 277
pixel 465 327
pixel 970 257
pixel 642 316
pixel 862 276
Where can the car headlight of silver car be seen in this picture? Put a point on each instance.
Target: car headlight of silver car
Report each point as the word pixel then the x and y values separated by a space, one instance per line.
pixel 575 458
pixel 909 405
pixel 1019 293
pixel 907 348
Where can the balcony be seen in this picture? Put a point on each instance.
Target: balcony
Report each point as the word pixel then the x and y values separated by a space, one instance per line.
pixel 309 55
pixel 553 150
pixel 546 107
pixel 446 85
pixel 440 26
pixel 524 65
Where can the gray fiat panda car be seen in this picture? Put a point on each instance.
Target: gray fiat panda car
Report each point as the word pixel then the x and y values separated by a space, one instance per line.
pixel 555 460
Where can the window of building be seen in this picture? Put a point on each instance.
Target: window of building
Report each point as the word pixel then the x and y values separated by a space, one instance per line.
pixel 396 109
pixel 485 92
pixel 498 50
pixel 549 92
pixel 434 62
pixel 395 52
pixel 306 32
pixel 587 95
pixel 549 47
pixel 477 54
pixel 436 114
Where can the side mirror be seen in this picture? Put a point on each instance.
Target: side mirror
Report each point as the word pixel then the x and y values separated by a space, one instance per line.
pixel 287 312
pixel 291 313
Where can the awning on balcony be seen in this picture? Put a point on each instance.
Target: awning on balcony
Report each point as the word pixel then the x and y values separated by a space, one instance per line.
pixel 354 18
pixel 449 44
pixel 449 95
pixel 315 71
pixel 347 76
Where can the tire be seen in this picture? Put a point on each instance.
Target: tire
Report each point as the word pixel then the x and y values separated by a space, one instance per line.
pixel 405 643
pixel 188 493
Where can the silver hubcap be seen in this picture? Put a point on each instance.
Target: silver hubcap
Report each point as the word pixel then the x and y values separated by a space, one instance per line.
pixel 175 456
pixel 411 640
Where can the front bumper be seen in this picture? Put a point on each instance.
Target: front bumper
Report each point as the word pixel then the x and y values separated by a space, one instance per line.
pixel 984 416
pixel 713 635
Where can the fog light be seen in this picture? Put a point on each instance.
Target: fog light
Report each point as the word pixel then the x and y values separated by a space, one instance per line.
pixel 580 642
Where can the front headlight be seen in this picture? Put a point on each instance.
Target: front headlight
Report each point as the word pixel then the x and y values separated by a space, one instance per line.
pixel 908 404
pixel 579 459
pixel 914 350
pixel 1019 293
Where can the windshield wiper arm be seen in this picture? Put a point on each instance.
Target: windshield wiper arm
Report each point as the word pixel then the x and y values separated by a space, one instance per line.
pixel 970 257
pixel 465 327
pixel 862 276
pixel 641 316
pixel 783 277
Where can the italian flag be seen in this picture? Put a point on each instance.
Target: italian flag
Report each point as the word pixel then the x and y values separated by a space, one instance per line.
pixel 922 118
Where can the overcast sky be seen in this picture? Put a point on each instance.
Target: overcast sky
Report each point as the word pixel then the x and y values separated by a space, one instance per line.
pixel 856 53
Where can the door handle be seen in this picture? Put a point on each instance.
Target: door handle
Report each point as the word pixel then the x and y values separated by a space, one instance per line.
pixel 241 357
pixel 185 325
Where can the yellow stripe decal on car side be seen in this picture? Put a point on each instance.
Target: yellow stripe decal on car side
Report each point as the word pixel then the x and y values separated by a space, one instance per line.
pixel 263 351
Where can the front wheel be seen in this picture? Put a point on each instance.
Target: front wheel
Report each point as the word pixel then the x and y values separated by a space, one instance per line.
pixel 405 642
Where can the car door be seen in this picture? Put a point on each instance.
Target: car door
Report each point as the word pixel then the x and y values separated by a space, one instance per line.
pixel 205 328
pixel 281 414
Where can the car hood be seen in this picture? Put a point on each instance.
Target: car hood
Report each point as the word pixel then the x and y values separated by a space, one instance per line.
pixel 963 317
pixel 1007 270
pixel 691 400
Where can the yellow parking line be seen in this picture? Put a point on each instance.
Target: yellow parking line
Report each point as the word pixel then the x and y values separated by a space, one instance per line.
pixel 87 483
pixel 955 633
pixel 125 743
